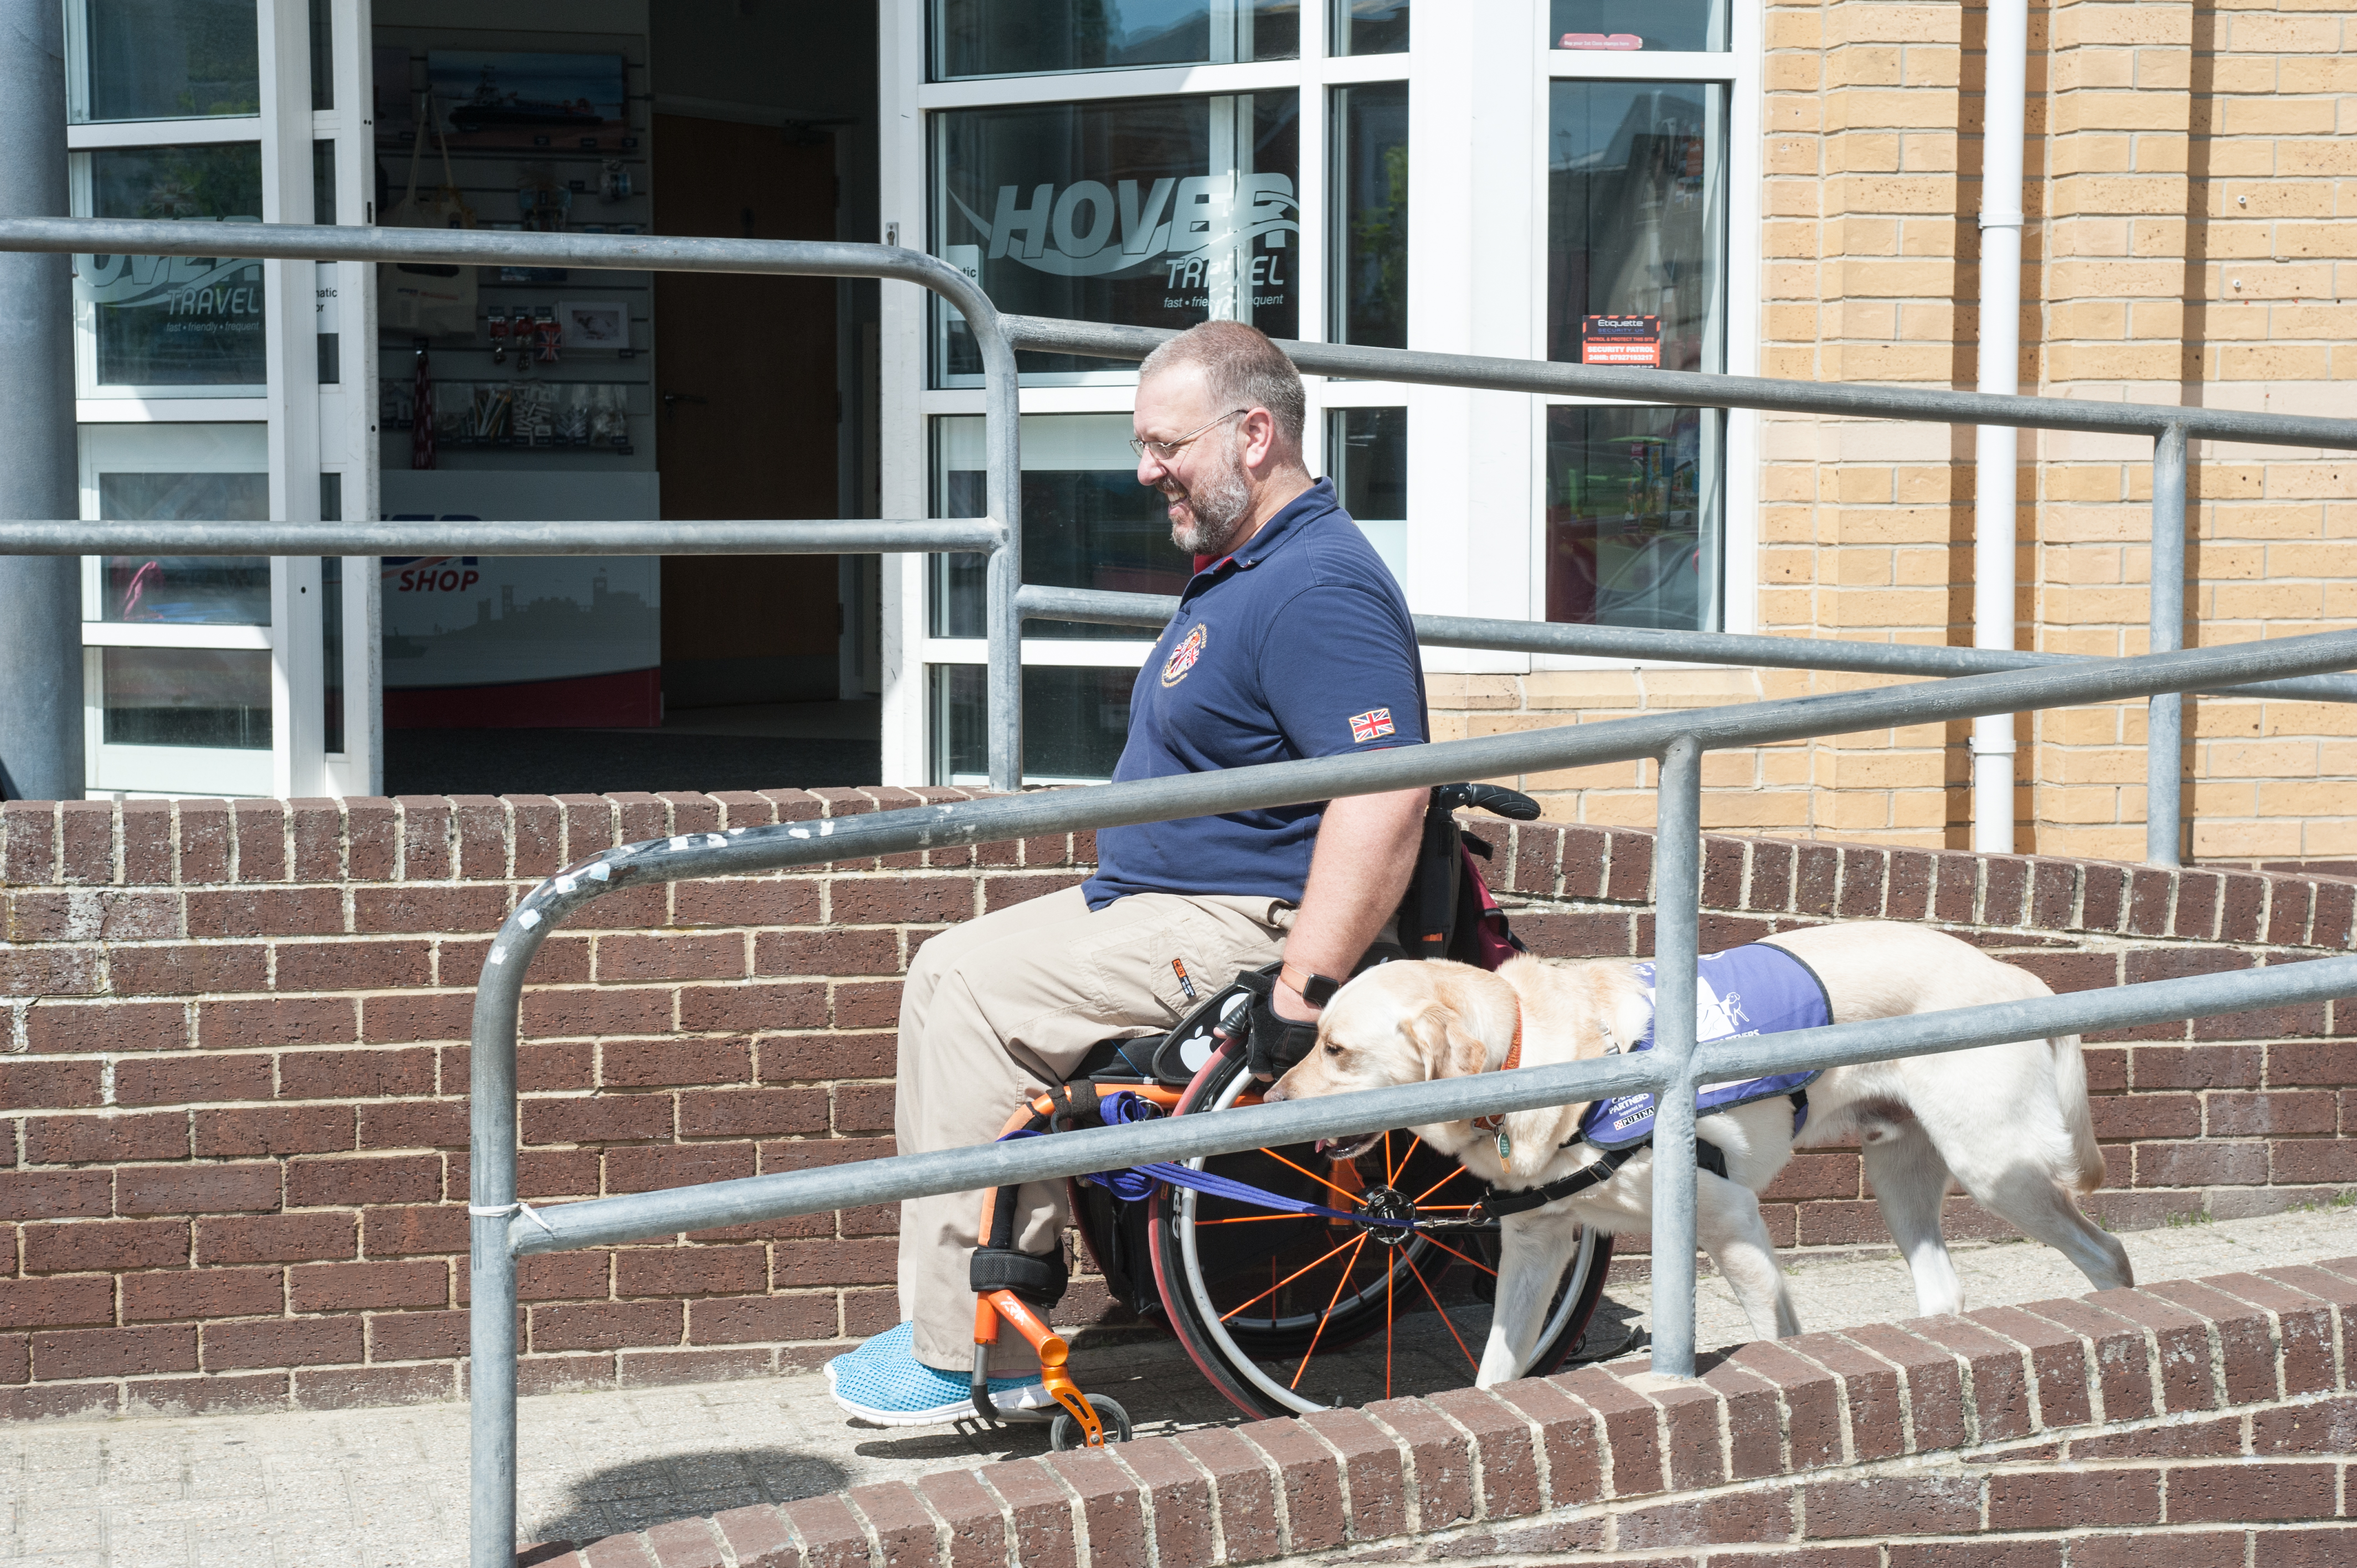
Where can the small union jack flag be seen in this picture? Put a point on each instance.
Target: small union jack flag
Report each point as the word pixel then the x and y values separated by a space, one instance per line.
pixel 1372 724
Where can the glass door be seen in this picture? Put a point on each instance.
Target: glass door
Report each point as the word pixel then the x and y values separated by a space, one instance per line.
pixel 210 387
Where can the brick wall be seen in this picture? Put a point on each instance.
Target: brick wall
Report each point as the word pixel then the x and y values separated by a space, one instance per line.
pixel 2201 1425
pixel 2187 244
pixel 234 1065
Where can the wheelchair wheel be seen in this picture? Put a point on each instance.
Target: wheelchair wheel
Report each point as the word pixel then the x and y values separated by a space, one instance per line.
pixel 1287 1314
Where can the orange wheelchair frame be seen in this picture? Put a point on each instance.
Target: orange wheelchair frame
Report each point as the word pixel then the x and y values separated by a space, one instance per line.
pixel 994 1308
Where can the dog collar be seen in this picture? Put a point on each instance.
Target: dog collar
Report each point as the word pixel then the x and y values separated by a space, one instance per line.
pixel 1497 1125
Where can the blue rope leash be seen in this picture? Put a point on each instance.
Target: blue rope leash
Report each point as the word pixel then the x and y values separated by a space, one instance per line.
pixel 1137 1182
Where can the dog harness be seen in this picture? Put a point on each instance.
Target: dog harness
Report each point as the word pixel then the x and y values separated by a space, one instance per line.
pixel 1758 989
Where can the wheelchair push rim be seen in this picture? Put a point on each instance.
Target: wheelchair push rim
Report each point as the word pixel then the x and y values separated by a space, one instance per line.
pixel 1346 1311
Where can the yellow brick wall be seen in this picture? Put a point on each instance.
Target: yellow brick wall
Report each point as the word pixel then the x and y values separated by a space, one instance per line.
pixel 2192 232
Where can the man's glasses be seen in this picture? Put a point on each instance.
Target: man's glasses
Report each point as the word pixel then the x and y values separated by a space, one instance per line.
pixel 1165 450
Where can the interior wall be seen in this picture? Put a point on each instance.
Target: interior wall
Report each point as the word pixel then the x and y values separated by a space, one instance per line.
pixel 799 64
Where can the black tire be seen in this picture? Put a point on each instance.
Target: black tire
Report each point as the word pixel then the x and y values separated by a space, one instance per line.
pixel 1065 1432
pixel 1287 1314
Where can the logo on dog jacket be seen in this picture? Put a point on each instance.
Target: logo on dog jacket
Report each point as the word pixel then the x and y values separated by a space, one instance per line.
pixel 1372 724
pixel 1182 658
pixel 1760 989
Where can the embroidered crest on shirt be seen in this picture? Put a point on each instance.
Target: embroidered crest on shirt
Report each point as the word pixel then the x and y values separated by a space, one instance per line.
pixel 1372 724
pixel 1182 658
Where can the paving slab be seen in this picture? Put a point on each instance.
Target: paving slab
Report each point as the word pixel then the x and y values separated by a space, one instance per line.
pixel 387 1488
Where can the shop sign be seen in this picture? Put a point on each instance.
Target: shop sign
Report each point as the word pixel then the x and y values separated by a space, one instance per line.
pixel 1089 230
pixel 174 321
pixel 453 622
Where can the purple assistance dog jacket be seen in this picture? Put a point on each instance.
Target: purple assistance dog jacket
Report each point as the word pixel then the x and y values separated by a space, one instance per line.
pixel 1754 990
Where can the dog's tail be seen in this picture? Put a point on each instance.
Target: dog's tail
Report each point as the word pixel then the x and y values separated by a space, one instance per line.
pixel 2071 1088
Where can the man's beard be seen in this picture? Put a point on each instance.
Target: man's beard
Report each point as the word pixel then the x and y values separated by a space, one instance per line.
pixel 1218 506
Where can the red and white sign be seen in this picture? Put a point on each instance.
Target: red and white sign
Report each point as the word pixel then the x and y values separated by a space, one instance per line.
pixel 1621 340
pixel 1372 724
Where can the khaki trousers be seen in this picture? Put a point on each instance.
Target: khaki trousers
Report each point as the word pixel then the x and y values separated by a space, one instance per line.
pixel 1002 1008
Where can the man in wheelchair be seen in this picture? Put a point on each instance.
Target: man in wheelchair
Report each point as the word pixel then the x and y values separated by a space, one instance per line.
pixel 1292 639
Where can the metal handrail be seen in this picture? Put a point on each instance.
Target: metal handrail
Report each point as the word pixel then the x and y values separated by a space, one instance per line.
pixel 1002 434
pixel 1105 608
pixel 724 536
pixel 998 336
pixel 1695 389
pixel 502 1231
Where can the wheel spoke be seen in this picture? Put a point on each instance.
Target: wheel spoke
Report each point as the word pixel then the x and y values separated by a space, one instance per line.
pixel 1293 1276
pixel 1435 1186
pixel 1258 1219
pixel 1392 1173
pixel 1313 1175
pixel 1323 1318
pixel 1457 1255
pixel 1442 1310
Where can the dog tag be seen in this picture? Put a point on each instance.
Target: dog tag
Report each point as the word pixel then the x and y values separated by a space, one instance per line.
pixel 1505 1145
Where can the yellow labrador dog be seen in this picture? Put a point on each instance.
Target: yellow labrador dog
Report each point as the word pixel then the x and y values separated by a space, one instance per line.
pixel 2009 1123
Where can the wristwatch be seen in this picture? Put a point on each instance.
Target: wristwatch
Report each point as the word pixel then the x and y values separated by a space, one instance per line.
pixel 1316 989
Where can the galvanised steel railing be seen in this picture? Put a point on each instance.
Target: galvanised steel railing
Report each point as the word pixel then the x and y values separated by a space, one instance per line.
pixel 997 536
pixel 502 1229
pixel 2168 425
pixel 505 1229
pixel 998 337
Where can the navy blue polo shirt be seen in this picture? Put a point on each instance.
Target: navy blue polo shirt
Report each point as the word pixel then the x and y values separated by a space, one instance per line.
pixel 1298 645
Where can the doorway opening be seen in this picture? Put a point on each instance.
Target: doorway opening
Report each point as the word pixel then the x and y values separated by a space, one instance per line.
pixel 568 395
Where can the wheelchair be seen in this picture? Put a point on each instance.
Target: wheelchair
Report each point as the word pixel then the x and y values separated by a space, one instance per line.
pixel 1294 1283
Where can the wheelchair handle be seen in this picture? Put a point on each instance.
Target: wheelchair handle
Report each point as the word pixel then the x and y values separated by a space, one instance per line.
pixel 1495 799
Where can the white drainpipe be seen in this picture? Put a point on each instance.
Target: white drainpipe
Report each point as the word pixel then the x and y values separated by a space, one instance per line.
pixel 1995 448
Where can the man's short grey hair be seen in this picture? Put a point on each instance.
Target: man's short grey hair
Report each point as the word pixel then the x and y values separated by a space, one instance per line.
pixel 1243 369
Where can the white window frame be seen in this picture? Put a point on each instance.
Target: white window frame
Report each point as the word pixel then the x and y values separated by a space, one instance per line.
pixel 1477 285
pixel 311 430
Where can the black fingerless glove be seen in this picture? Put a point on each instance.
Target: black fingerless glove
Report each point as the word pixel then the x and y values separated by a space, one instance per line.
pixel 1276 1043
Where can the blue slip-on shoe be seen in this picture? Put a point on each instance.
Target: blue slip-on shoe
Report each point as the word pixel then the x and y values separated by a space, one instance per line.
pixel 882 1382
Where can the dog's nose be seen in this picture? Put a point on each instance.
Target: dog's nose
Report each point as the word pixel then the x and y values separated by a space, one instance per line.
pixel 1273 1093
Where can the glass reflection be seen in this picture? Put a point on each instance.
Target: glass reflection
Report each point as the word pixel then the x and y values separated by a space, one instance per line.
pixel 1636 224
pixel 168 59
pixel 1634 516
pixel 1012 37
pixel 1075 724
pixel 1087 522
pixel 174 321
pixel 186 590
pixel 1366 456
pixel 1149 212
pixel 1371 189
pixel 1616 24
pixel 1370 27
pixel 186 696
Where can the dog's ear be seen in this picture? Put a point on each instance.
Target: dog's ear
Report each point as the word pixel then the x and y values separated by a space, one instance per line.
pixel 1448 1051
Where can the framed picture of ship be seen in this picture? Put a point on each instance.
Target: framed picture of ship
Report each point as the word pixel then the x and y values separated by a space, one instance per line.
pixel 559 102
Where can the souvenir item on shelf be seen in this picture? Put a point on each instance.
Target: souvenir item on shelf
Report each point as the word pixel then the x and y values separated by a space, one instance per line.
pixel 607 427
pixel 419 299
pixel 421 419
pixel 600 326
pixel 572 414
pixel 546 333
pixel 616 186
pixel 498 332
pixel 543 199
pixel 442 207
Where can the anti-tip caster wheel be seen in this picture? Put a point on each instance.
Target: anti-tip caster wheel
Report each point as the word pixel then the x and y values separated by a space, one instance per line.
pixel 1066 1433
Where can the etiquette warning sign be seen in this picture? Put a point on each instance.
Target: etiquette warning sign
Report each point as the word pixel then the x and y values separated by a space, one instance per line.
pixel 1621 340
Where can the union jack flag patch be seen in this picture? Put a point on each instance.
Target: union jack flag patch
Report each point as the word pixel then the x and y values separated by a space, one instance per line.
pixel 1372 724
